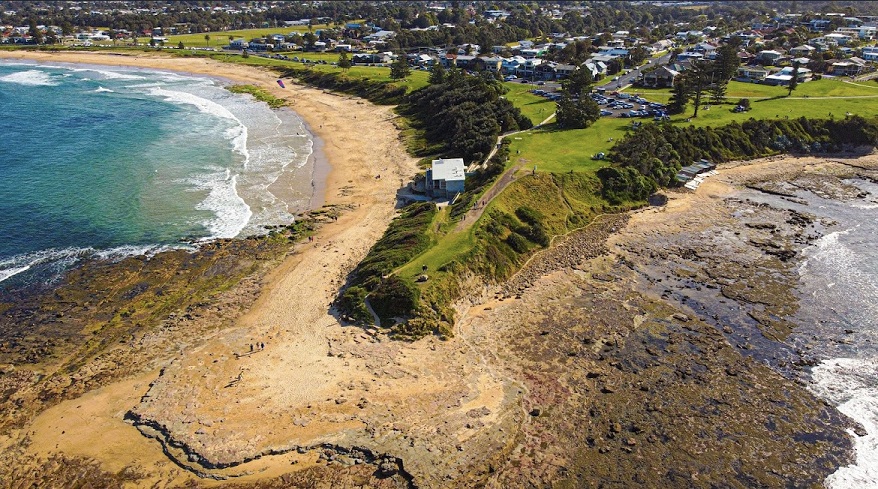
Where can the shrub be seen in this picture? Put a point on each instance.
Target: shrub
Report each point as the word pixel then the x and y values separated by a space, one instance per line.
pixel 394 297
pixel 517 243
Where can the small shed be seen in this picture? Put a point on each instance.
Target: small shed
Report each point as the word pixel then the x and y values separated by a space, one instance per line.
pixel 688 173
pixel 446 177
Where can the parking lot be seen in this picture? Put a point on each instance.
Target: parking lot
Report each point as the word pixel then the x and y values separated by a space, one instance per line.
pixel 614 104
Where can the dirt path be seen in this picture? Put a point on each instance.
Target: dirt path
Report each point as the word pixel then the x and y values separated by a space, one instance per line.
pixel 476 211
pixel 505 179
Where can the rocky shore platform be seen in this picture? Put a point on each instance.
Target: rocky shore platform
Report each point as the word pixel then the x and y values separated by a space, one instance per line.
pixel 646 350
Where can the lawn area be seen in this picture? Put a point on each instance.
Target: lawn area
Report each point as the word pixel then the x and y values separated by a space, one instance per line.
pixel 561 151
pixel 533 107
pixel 219 39
pixel 754 91
pixel 417 79
pixel 453 245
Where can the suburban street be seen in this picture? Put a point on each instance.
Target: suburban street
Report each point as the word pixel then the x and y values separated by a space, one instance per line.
pixel 628 79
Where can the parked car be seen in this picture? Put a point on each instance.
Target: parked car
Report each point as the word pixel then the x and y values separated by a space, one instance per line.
pixel 605 113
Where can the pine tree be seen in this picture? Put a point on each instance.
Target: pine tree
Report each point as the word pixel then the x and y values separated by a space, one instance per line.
pixel 343 61
pixel 718 92
pixel 681 93
pixel 794 81
pixel 699 77
pixel 578 82
pixel 399 69
pixel 437 73
pixel 576 114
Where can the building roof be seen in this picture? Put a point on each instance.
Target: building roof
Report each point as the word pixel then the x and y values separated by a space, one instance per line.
pixel 450 169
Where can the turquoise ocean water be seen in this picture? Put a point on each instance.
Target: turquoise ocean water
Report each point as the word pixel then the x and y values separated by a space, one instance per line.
pixel 108 162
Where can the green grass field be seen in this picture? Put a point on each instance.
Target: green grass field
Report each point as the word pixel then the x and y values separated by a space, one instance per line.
pixel 559 151
pixel 534 107
pixel 754 91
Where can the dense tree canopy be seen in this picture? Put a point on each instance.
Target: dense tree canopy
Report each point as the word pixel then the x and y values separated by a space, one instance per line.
pixel 464 114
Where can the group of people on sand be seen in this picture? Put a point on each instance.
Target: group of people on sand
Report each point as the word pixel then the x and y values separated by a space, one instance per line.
pixel 256 347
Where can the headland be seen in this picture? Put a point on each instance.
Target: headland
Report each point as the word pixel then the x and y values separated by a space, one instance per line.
pixel 581 361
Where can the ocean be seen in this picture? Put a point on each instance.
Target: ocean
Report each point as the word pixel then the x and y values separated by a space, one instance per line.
pixel 108 162
pixel 838 317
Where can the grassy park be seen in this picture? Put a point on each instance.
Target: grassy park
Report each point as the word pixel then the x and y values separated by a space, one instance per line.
pixel 553 150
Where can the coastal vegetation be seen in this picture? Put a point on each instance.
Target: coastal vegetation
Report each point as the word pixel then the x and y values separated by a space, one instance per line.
pixel 259 94
pixel 656 152
pixel 406 237
pixel 564 197
pixel 462 115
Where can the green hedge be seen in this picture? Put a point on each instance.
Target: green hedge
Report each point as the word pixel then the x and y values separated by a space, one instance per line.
pixel 389 296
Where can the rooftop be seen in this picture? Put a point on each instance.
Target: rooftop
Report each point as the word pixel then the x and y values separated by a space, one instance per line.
pixel 448 169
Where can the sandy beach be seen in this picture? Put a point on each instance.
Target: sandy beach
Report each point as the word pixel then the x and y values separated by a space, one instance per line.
pixel 571 377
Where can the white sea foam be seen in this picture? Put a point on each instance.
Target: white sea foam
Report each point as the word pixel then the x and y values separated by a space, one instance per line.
pixel 117 75
pixel 125 251
pixel 237 134
pixel 30 78
pixel 822 249
pixel 10 272
pixel 102 89
pixel 232 213
pixel 852 385
pixel 9 267
pixel 63 258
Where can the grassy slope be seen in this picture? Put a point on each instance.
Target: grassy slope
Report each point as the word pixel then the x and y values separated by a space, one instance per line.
pixel 560 152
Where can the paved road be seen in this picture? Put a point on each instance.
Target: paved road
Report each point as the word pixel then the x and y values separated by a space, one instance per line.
pixel 628 79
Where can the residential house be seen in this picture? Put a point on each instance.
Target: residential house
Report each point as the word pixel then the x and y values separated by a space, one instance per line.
pixel 371 58
pixel 848 67
pixel 837 37
pixel 613 52
pixel 705 48
pixel 689 55
pixel 238 44
pixel 663 45
pixel 380 36
pixel 510 66
pixel 598 68
pixel 530 53
pixel 475 63
pixel 554 71
pixel 529 68
pixel 784 76
pixel 661 77
pixel 769 57
pixel 750 74
pixel 446 178
pixel 864 32
pixel 684 35
pixel 817 25
pixel 870 53
pixel 803 50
